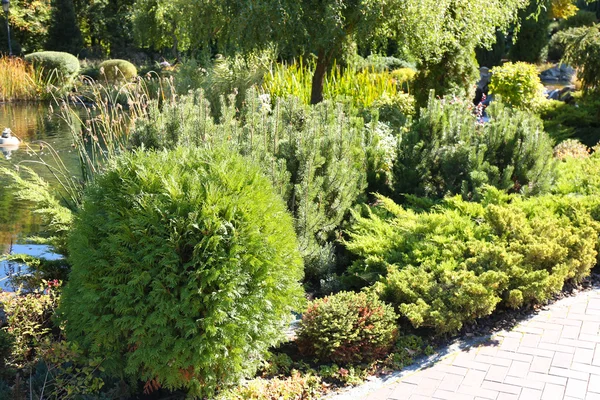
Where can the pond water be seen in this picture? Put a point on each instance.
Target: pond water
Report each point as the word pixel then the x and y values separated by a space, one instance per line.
pixel 34 124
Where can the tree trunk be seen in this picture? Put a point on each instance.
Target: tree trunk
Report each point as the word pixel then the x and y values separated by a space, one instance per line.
pixel 318 79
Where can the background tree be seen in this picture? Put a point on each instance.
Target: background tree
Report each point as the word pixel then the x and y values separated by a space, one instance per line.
pixel 64 33
pixel 29 21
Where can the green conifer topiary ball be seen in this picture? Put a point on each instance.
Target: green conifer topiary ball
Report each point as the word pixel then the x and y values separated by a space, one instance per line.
pixel 185 269
pixel 117 70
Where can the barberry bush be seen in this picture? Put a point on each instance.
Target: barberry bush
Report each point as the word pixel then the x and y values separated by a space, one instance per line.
pixel 347 328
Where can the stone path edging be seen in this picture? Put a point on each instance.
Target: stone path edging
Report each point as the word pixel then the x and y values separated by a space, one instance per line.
pixel 554 353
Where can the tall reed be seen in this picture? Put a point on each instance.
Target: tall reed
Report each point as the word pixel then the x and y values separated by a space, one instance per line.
pixel 17 80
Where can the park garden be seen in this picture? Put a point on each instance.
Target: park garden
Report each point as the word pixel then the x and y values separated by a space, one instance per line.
pixel 278 199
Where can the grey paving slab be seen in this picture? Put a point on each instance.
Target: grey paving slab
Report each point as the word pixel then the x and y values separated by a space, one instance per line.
pixel 554 354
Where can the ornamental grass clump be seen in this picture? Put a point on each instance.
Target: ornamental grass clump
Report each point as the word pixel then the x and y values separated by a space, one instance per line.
pixel 347 328
pixel 185 269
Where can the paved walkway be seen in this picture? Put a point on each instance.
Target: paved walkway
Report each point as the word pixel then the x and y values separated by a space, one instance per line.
pixel 554 354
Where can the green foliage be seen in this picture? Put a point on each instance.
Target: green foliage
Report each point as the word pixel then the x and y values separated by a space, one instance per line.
pixel 493 56
pixel 57 68
pixel 583 52
pixel 579 119
pixel 459 261
pixel 448 151
pixel 518 84
pixel 315 158
pixel 29 21
pixel 557 45
pixel 347 328
pixel 63 33
pixel 55 217
pixel 117 70
pixel 361 88
pixel 296 386
pixel 185 269
pixel 532 37
pixel 582 18
pixel 454 74
pixel 571 148
pixel 578 175
pixel 405 78
pixel 28 323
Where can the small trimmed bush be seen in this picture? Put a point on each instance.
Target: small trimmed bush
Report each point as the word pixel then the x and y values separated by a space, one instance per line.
pixel 57 68
pixel 185 269
pixel 518 84
pixel 571 148
pixel 347 328
pixel 117 70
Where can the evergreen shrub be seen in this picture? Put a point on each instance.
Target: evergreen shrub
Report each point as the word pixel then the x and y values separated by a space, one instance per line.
pixel 532 38
pixel 518 84
pixel 582 51
pixel 185 269
pixel 315 157
pixel 347 328
pixel 57 68
pixel 447 151
pixel 117 70
pixel 460 260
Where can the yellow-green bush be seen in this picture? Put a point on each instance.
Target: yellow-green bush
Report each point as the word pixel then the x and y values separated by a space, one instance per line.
pixel 404 78
pixel 459 261
pixel 518 84
pixel 117 70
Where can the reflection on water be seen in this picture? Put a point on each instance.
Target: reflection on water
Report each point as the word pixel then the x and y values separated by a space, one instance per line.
pixel 32 124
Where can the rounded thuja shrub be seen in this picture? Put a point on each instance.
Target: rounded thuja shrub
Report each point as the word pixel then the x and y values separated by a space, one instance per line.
pixel 117 70
pixel 347 328
pixel 55 68
pixel 185 269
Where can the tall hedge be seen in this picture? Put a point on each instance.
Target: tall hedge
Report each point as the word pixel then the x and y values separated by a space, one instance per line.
pixel 185 269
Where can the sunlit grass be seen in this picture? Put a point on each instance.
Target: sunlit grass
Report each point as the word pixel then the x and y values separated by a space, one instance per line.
pixel 17 80
pixel 361 87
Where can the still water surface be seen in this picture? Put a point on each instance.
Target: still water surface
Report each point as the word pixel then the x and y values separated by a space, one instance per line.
pixel 33 123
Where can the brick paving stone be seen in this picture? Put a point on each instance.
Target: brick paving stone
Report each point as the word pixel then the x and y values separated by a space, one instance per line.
pixel 562 360
pixel 553 392
pixel 451 395
pixel 583 356
pixel 496 373
pixel 501 387
pixel 541 364
pixel 530 394
pixel 576 388
pixel 594 384
pixel 473 378
pixel 554 354
pixel 525 383
pixel 519 368
pixel 506 396
pixel 451 382
pixel 569 373
pixel 479 391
